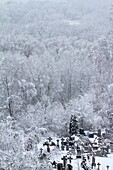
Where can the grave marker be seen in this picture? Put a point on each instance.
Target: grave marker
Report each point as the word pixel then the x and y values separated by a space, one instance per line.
pixel 70 159
pixel 93 161
pixel 69 167
pixel 64 161
pixel 58 143
pixel 50 139
pixel 41 151
pixel 98 168
pixel 67 147
pixel 107 167
pixel 48 148
pixel 59 166
pixel 99 133
pixel 62 141
pixel 54 164
pixel 62 147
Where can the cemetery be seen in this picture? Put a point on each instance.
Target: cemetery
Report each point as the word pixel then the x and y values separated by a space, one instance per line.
pixel 80 150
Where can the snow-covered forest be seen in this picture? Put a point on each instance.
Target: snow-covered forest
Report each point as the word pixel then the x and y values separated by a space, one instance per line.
pixel 56 60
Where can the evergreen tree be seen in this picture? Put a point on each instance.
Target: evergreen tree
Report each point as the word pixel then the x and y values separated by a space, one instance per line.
pixel 73 127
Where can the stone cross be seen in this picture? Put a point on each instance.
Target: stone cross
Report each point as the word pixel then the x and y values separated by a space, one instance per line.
pixel 67 147
pixel 64 161
pixel 58 143
pixel 41 151
pixel 107 167
pixel 62 141
pixel 98 166
pixel 48 148
pixel 62 147
pixel 70 158
pixel 50 139
pixel 54 164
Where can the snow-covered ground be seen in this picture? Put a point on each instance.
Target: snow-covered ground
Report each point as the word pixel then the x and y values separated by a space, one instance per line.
pixel 57 154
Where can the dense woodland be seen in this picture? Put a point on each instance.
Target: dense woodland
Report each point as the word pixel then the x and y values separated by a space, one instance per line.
pixel 56 60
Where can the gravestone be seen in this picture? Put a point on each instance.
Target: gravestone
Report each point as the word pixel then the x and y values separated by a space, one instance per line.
pixel 91 135
pixel 50 139
pixel 70 159
pixel 41 151
pixel 81 132
pixel 93 162
pixel 78 153
pixel 54 164
pixel 48 148
pixel 99 133
pixel 59 166
pixel 62 141
pixel 69 167
pixel 67 147
pixel 108 149
pixel 107 167
pixel 64 158
pixel 98 168
pixel 62 147
pixel 58 143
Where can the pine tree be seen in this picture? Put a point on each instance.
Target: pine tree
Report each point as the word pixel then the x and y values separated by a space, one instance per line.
pixel 73 126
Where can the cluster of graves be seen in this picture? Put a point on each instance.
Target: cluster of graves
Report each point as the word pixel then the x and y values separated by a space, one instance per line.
pixel 82 146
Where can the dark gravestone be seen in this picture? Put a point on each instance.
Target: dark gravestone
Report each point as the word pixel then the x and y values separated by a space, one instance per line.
pixel 48 148
pixel 58 143
pixel 81 131
pixel 59 166
pixel 70 159
pixel 41 151
pixel 99 133
pixel 93 161
pixel 62 147
pixel 91 135
pixel 54 164
pixel 64 161
pixel 108 149
pixel 78 154
pixel 62 141
pixel 69 167
pixel 50 139
pixel 107 167
pixel 98 168
pixel 67 147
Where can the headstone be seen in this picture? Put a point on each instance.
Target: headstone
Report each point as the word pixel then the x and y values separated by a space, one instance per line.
pixel 108 149
pixel 99 133
pixel 98 168
pixel 48 148
pixel 54 164
pixel 107 167
pixel 62 147
pixel 81 131
pixel 69 167
pixel 70 159
pixel 62 141
pixel 50 139
pixel 91 135
pixel 93 161
pixel 78 154
pixel 59 166
pixel 64 161
pixel 58 143
pixel 67 147
pixel 41 151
